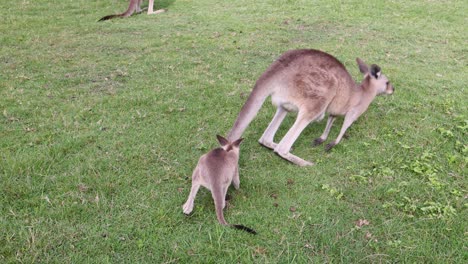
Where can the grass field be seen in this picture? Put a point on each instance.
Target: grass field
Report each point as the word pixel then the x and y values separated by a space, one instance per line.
pixel 102 124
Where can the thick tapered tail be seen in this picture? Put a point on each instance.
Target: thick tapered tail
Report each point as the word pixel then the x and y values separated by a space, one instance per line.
pixel 219 201
pixel 248 112
pixel 247 229
pixel 131 8
pixel 218 198
pixel 109 17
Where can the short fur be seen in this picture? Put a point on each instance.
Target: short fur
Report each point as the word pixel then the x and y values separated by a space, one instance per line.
pixel 135 6
pixel 312 83
pixel 215 171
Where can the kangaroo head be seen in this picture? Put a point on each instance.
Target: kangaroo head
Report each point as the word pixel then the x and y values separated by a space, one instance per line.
pixel 227 145
pixel 374 78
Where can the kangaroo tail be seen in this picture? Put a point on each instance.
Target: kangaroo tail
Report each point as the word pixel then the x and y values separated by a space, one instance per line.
pixel 131 8
pixel 248 112
pixel 218 198
pixel 109 17
pixel 244 228
pixel 219 202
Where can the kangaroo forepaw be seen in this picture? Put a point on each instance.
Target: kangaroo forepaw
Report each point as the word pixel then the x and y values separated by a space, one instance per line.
pixel 317 141
pixel 329 146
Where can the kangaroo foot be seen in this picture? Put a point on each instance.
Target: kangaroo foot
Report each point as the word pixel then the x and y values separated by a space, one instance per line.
pixel 188 207
pixel 270 145
pixel 156 12
pixel 295 159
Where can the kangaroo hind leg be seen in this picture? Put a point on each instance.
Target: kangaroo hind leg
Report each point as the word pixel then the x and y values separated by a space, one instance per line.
pixel 188 206
pixel 269 134
pixel 150 8
pixel 236 179
pixel 138 6
pixel 284 146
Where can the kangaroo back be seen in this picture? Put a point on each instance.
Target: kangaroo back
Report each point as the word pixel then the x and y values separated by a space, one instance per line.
pixel 263 88
pixel 281 76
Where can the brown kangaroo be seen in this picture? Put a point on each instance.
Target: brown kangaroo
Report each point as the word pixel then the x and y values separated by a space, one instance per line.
pixel 135 6
pixel 312 83
pixel 215 171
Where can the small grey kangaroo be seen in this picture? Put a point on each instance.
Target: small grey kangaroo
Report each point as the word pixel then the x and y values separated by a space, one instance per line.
pixel 312 83
pixel 215 171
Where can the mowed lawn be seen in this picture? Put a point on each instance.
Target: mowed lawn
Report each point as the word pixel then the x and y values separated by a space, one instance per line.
pixel 102 124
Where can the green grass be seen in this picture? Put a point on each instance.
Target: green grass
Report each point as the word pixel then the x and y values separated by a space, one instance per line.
pixel 103 123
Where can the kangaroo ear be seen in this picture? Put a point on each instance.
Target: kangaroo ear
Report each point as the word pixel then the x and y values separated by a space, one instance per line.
pixel 362 66
pixel 222 140
pixel 237 142
pixel 375 71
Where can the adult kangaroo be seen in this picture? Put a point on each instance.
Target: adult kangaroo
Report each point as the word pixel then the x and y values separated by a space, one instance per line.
pixel 312 83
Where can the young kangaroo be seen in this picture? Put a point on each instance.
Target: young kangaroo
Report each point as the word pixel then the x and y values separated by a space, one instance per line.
pixel 312 83
pixel 135 6
pixel 215 171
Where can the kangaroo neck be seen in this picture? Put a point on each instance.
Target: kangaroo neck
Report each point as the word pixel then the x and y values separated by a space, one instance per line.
pixel 363 95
